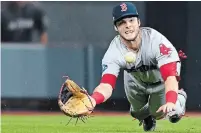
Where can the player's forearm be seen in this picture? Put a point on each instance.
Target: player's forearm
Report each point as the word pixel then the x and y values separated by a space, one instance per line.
pixel 102 92
pixel 171 84
pixel 171 89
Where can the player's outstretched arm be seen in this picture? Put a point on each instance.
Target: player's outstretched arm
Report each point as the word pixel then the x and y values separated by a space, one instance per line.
pixel 171 90
pixel 102 92
pixel 110 71
pixel 169 64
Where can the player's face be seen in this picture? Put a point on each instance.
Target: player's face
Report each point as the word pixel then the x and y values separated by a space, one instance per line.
pixel 128 28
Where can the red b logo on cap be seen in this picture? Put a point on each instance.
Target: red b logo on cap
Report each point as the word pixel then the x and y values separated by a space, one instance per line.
pixel 123 7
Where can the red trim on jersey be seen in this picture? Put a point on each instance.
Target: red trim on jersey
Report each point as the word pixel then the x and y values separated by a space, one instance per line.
pixel 109 79
pixel 169 69
pixel 171 96
pixel 98 97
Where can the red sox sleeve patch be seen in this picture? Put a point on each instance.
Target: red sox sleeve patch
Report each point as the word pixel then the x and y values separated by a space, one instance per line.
pixel 164 50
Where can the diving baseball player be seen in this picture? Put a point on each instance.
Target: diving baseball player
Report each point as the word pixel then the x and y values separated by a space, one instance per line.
pixel 151 70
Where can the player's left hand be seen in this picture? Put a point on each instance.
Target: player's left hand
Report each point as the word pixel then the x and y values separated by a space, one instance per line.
pixel 168 107
pixel 74 101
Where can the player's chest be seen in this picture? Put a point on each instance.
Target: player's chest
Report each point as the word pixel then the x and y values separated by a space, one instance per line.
pixel 135 62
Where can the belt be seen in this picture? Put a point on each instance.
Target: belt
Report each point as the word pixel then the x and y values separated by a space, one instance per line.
pixel 156 83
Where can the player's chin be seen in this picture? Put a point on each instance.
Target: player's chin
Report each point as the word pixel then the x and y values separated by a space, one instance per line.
pixel 129 38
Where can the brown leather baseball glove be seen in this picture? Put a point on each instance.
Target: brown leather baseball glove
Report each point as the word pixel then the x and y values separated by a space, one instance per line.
pixel 75 101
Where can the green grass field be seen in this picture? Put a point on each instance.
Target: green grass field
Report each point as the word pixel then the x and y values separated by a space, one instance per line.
pixel 97 124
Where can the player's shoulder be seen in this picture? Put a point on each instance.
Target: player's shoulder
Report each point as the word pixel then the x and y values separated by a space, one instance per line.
pixel 152 35
pixel 115 41
pixel 113 48
pixel 150 31
pixel 114 44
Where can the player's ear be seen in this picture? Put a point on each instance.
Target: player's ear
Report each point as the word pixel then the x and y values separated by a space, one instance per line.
pixel 115 28
pixel 139 22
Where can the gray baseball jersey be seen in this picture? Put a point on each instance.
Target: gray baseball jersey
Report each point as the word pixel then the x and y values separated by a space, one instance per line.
pixel 155 51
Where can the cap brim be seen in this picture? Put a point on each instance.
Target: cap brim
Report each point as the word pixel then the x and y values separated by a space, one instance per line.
pixel 126 15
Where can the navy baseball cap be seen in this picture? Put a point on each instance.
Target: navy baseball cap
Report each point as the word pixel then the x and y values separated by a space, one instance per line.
pixel 123 10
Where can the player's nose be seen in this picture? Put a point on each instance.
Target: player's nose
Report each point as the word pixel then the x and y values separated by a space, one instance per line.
pixel 128 24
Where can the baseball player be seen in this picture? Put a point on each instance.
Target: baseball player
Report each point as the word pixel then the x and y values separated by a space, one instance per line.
pixel 151 70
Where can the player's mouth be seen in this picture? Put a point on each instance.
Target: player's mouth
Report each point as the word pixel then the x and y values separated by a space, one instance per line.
pixel 129 32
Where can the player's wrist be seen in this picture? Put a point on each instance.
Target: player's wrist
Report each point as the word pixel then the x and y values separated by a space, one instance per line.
pixel 171 96
pixel 98 97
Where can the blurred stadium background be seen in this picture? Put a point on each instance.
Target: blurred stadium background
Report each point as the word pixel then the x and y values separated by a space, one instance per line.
pixel 78 35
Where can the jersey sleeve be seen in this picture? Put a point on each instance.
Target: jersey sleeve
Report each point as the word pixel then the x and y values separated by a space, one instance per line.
pixel 110 68
pixel 167 58
pixel 165 52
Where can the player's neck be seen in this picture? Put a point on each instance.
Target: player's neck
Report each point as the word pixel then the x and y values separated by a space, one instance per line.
pixel 134 45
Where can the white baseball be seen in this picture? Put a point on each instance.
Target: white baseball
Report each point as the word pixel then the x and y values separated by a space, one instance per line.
pixel 130 57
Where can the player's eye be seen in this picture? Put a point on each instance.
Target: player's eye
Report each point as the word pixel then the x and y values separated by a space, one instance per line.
pixel 132 20
pixel 120 23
